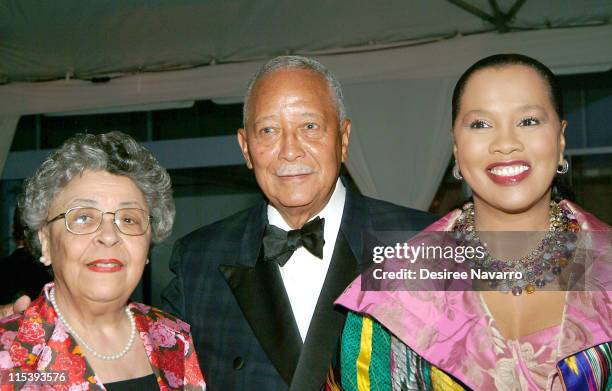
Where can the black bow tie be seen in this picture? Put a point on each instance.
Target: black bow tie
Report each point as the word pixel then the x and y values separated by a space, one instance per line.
pixel 279 245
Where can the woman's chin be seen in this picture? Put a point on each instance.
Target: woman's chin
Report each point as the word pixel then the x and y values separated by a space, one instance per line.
pixel 513 202
pixel 107 294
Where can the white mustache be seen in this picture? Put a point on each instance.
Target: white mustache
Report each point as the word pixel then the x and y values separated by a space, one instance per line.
pixel 294 169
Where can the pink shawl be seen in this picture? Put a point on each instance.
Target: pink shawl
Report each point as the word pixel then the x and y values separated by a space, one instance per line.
pixel 455 332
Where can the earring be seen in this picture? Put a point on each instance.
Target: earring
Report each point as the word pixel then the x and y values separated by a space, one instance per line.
pixel 44 261
pixel 147 261
pixel 456 172
pixel 564 167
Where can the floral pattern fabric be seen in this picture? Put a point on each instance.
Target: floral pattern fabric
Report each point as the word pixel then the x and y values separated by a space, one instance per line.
pixel 37 341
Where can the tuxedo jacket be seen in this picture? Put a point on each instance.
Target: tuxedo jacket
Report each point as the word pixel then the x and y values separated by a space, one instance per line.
pixel 241 320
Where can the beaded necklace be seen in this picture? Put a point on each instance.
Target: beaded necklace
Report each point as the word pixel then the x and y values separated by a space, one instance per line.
pixel 540 266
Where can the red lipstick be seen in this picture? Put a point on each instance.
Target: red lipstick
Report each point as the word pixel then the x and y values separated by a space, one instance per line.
pixel 508 173
pixel 105 265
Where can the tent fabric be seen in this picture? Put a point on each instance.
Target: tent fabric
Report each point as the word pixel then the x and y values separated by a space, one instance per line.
pixel 398 98
pixel 46 40
pixel 565 51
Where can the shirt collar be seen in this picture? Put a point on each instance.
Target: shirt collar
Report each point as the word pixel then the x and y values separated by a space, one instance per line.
pixel 332 210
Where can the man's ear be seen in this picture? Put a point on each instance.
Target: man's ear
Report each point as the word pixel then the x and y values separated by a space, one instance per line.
pixel 43 238
pixel 244 146
pixel 345 136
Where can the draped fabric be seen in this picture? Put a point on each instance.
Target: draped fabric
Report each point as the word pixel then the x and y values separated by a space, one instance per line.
pixel 374 359
pixel 398 98
pixel 434 323
pixel 588 370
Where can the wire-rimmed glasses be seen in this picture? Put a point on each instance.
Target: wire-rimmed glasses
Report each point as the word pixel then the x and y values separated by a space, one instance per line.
pixel 83 220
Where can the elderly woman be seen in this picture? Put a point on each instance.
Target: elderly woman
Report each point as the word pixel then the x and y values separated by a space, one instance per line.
pixel 96 204
pixel 533 332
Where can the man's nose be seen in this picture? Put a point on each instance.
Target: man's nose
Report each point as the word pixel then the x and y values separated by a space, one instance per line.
pixel 291 146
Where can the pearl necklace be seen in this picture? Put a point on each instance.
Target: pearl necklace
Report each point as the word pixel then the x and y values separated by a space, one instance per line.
pixel 106 357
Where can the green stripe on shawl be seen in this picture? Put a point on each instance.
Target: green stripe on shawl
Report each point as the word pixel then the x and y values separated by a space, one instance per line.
pixel 380 363
pixel 351 341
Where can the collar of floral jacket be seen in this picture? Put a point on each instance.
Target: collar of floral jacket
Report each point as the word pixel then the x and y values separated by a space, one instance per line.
pixel 42 343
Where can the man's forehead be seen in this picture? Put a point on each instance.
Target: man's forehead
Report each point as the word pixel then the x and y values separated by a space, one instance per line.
pixel 290 88
pixel 274 117
pixel 290 78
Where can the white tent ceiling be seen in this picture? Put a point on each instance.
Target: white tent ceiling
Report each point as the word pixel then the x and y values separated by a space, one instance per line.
pixel 46 40
pixel 397 61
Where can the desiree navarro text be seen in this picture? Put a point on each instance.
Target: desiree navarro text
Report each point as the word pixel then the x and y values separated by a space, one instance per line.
pixel 426 274
pixel 404 251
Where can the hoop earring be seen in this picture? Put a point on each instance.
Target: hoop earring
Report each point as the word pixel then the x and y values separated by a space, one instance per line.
pixel 456 173
pixel 564 167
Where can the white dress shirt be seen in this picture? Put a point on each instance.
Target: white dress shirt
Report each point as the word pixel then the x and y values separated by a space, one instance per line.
pixel 304 274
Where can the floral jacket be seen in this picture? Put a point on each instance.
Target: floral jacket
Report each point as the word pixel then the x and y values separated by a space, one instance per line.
pixel 37 342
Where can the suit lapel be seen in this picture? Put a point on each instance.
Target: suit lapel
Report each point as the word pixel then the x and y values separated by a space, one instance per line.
pixel 260 293
pixel 326 324
pixel 355 221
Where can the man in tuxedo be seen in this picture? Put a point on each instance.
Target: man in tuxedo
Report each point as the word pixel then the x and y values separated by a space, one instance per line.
pixel 258 287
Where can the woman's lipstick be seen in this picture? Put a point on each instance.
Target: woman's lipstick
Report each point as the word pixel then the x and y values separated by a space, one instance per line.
pixel 508 173
pixel 105 265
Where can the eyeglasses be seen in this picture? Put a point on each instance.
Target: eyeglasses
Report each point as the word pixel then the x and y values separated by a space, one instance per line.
pixel 83 220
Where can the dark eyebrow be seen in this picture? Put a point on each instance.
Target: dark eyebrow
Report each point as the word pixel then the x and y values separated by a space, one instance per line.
pixel 477 111
pixel 531 107
pixel 521 109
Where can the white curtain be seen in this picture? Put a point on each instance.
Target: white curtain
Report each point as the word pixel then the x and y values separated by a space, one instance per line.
pixel 7 131
pixel 399 98
pixel 402 129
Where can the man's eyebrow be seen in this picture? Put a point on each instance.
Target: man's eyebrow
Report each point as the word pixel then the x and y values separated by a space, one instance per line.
pixel 311 115
pixel 265 118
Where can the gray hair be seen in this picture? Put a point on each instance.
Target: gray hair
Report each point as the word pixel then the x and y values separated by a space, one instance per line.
pixel 114 152
pixel 297 62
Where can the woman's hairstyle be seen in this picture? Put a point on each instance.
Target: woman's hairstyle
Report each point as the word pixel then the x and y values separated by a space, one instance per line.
pixel 506 59
pixel 560 189
pixel 115 153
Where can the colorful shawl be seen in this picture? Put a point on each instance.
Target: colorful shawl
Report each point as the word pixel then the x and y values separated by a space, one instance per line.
pixel 448 340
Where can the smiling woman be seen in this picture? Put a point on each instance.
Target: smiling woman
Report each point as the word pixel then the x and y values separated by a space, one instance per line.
pixel 537 332
pixel 93 208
